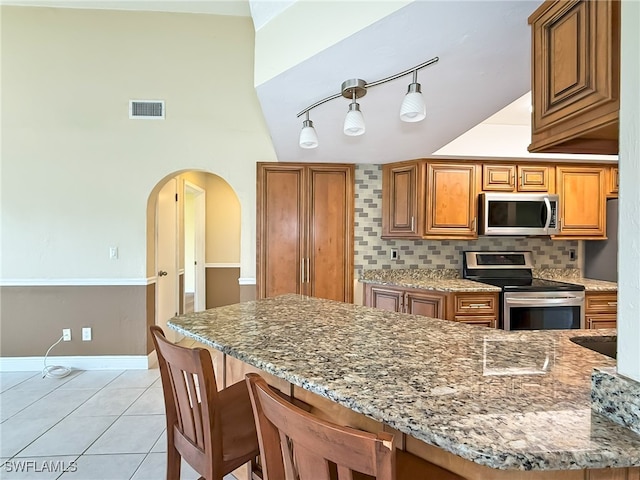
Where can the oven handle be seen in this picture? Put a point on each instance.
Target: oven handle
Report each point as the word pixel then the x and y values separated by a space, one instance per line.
pixel 548 222
pixel 529 301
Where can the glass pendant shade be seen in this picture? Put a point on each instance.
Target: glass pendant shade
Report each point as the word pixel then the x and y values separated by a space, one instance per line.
pixel 413 108
pixel 308 135
pixel 354 121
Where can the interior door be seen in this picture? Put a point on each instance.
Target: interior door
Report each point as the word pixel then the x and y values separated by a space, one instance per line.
pixel 167 257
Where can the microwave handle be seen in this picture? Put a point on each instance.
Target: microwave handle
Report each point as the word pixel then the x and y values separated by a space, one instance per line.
pixel 548 222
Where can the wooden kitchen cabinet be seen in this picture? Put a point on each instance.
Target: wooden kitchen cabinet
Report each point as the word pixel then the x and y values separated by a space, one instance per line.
pixel 427 303
pixel 305 230
pixel 614 181
pixel 517 178
pixel 475 308
pixel 582 192
pixel 601 309
pixel 402 200
pixel 575 76
pixel 451 201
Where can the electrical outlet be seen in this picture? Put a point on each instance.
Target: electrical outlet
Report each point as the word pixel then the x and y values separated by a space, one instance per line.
pixel 572 254
pixel 113 253
pixel 66 334
pixel 393 254
pixel 86 334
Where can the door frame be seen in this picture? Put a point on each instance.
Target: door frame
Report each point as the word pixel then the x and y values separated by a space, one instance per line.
pixel 199 201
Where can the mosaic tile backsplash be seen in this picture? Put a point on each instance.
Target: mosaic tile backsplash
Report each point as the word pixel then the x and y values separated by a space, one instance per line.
pixel 372 252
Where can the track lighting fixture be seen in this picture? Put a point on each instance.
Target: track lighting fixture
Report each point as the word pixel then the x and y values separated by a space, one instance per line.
pixel 413 107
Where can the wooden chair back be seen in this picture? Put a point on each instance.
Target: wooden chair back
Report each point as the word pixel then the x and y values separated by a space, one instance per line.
pixel 190 398
pixel 296 445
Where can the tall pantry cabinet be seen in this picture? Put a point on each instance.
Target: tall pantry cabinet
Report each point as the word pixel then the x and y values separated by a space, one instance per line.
pixel 305 230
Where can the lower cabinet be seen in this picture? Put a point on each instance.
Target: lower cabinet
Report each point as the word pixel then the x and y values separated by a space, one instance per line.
pixel 474 308
pixel 601 309
pixel 405 300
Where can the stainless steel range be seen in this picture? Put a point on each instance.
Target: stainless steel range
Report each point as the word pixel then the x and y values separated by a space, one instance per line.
pixel 527 303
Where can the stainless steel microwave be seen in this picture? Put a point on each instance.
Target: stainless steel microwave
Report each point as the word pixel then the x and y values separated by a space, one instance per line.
pixel 518 214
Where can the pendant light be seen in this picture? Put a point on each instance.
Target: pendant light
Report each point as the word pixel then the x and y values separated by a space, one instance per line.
pixel 354 121
pixel 308 135
pixel 413 108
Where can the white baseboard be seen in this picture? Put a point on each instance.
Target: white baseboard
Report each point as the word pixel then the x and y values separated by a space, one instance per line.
pixel 96 362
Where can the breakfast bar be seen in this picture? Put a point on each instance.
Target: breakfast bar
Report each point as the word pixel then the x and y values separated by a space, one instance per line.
pixel 484 403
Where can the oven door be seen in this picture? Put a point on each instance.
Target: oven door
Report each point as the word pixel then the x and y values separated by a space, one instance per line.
pixel 543 310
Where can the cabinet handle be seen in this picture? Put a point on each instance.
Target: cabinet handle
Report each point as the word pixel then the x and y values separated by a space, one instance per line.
pixel 301 271
pixel 477 305
pixel 513 180
pixel 412 223
pixel 473 224
pixel 522 180
pixel 612 304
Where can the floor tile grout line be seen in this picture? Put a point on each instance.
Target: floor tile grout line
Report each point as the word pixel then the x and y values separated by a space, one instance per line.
pixel 68 414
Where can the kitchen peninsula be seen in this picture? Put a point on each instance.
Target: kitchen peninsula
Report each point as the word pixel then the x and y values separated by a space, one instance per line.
pixel 484 403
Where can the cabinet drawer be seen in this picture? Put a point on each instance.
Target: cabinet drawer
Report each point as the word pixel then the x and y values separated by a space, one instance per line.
pixel 601 303
pixel 481 320
pixel 476 304
pixel 601 321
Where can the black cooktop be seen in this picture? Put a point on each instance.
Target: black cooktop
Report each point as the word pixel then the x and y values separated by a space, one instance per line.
pixel 512 271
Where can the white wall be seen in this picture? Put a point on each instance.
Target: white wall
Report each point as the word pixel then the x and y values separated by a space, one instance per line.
pixel 305 28
pixel 76 172
pixel 629 210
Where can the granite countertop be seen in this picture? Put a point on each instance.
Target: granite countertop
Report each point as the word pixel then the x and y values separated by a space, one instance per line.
pixel 448 280
pixel 572 275
pixel 443 280
pixel 508 400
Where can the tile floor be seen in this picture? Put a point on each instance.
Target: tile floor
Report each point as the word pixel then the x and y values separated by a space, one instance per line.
pixel 89 425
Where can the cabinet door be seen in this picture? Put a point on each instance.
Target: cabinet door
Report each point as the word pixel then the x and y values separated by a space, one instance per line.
pixel 576 76
pixel 498 178
pixel 423 303
pixel 402 199
pixel 329 252
pixel 451 201
pixel 582 201
pixel 383 298
pixel 533 178
pixel 280 229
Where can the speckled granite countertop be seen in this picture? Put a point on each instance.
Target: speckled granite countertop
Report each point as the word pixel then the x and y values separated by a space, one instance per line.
pixel 570 275
pixel 448 280
pixel 444 280
pixel 508 400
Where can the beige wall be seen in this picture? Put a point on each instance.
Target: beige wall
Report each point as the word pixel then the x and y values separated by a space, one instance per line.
pixel 78 176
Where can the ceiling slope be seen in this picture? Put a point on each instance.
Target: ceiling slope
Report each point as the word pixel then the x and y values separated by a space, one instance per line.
pixel 484 51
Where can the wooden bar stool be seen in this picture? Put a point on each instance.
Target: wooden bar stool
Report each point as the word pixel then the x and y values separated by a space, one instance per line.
pixel 296 445
pixel 213 431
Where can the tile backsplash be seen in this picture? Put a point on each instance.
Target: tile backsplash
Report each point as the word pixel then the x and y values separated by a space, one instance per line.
pixel 372 252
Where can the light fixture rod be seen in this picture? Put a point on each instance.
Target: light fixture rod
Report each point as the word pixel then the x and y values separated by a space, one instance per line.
pixel 373 84
pixel 402 74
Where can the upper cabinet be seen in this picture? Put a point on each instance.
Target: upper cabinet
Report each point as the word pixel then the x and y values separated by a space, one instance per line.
pixel 517 178
pixel 582 192
pixel 575 76
pixel 402 199
pixel 451 201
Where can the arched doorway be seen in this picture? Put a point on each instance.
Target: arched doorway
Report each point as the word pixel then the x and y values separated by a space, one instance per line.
pixel 194 217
